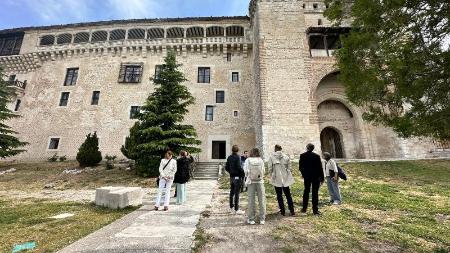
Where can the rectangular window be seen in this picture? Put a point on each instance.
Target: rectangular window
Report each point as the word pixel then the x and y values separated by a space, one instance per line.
pixel 220 96
pixel 235 77
pixel 54 143
pixel 235 114
pixel 16 108
pixel 95 97
pixel 228 57
pixel 209 114
pixel 64 99
pixel 12 78
pixel 71 77
pixel 134 112
pixel 130 73
pixel 157 71
pixel 204 75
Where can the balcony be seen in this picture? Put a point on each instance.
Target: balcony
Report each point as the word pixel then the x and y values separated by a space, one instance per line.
pixel 17 84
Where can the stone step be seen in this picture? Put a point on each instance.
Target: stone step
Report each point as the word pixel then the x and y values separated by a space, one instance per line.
pixel 206 169
pixel 205 178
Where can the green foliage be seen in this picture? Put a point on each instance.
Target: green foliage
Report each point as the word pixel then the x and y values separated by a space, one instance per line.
pixel 396 63
pixel 53 158
pixel 9 144
pixel 159 126
pixel 62 158
pixel 88 154
pixel 110 162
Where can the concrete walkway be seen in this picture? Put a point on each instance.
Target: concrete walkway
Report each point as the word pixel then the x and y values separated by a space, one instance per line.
pixel 145 230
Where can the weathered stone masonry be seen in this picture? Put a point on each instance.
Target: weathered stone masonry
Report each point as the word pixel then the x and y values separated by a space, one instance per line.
pixel 287 92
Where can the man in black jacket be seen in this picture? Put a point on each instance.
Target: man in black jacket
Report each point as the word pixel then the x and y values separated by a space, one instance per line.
pixel 310 166
pixel 234 168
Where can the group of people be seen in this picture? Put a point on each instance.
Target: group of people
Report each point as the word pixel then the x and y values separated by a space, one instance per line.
pixel 250 171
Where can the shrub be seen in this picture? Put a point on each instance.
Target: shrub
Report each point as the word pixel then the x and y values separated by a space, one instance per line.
pixel 110 162
pixel 52 159
pixel 62 158
pixel 88 154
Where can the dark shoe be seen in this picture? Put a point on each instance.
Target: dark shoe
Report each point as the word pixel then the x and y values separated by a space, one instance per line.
pixel 317 213
pixel 292 213
pixel 282 213
pixel 166 208
pixel 155 208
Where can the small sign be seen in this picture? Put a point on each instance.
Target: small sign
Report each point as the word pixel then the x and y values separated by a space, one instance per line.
pixel 25 246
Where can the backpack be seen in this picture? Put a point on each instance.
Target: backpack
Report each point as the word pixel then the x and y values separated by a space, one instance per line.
pixel 255 172
pixel 341 173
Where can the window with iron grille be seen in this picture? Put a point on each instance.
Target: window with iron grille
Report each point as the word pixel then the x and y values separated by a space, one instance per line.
pixel 228 56
pixel 71 77
pixel 220 96
pixel 134 112
pixel 18 102
pixel 235 77
pixel 204 75
pixel 64 100
pixel 209 113
pixel 158 69
pixel 10 44
pixel 130 73
pixel 95 97
pixel 54 143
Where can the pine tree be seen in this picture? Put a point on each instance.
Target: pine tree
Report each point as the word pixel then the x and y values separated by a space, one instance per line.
pixel 9 144
pixel 159 126
pixel 88 153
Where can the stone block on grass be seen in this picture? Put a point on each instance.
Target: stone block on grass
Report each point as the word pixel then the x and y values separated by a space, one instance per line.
pixel 118 197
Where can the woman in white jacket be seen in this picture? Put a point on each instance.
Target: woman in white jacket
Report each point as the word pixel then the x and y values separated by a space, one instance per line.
pixel 167 170
pixel 254 171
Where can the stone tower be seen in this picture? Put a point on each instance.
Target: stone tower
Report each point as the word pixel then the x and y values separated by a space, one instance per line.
pixel 281 76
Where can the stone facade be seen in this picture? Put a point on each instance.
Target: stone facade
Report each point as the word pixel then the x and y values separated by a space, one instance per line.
pixel 287 93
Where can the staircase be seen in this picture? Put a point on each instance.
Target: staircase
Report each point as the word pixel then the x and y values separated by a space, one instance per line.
pixel 206 171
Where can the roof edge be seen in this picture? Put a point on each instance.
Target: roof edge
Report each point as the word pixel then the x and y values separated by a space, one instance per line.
pixel 123 21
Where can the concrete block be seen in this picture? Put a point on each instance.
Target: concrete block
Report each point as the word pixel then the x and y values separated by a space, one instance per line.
pixel 118 197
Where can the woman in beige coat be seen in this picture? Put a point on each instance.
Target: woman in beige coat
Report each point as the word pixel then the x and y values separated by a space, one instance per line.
pixel 281 178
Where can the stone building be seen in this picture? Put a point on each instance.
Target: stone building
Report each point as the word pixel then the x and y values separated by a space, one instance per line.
pixel 259 80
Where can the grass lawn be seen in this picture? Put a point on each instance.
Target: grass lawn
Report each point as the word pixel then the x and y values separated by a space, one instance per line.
pixel 401 206
pixel 24 220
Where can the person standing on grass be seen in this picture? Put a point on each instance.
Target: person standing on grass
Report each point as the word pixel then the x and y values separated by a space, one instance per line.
pixel 182 177
pixel 331 173
pixel 254 170
pixel 234 168
pixel 167 170
pixel 310 166
pixel 280 170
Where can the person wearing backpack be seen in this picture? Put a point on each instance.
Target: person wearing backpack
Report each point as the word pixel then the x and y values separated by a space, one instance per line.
pixel 254 171
pixel 310 166
pixel 331 173
pixel 182 177
pixel 281 178
pixel 167 170
pixel 234 168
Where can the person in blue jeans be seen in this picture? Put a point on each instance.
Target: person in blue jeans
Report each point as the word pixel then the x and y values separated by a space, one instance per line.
pixel 234 168
pixel 331 174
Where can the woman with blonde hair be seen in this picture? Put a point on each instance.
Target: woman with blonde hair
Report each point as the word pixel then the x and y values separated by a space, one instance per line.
pixel 167 170
pixel 254 171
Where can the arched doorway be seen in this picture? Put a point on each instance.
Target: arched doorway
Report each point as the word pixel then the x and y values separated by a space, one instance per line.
pixel 331 142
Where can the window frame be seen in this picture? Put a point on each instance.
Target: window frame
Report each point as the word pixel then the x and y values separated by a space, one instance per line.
pixel 222 97
pixel 50 142
pixel 17 105
pixel 95 98
pixel 229 57
pixel 73 76
pixel 158 68
pixel 61 99
pixel 203 77
pixel 133 114
pixel 236 113
pixel 238 76
pixel 137 69
pixel 209 114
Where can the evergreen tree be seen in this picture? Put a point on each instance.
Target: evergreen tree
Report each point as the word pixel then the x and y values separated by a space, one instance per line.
pixel 396 62
pixel 9 144
pixel 88 153
pixel 159 126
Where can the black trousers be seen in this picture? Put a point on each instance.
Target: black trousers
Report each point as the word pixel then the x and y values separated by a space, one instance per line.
pixel 315 195
pixel 235 189
pixel 287 193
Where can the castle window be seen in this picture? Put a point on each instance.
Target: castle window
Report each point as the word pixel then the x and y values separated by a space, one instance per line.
pixel 316 42
pixel 16 108
pixel 64 100
pixel 134 112
pixel 47 40
pixel 228 57
pixel 65 38
pixel 117 35
pixel 209 113
pixel 315 6
pixel 10 44
pixel 95 97
pixel 333 42
pixel 319 22
pixel 235 77
pixel 304 6
pixel 136 34
pixel 130 73
pixel 235 31
pixel 158 69
pixel 236 114
pixel 99 36
pixel 53 144
pixel 204 75
pixel 81 37
pixel 71 77
pixel 220 96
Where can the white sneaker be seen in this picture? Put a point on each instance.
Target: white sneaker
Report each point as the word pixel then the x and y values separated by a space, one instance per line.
pixel 336 202
pixel 240 212
pixel 251 222
pixel 262 222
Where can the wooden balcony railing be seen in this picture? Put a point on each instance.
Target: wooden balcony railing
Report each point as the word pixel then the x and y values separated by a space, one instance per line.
pixel 17 84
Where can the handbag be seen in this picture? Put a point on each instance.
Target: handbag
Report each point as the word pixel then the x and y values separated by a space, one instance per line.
pixel 157 179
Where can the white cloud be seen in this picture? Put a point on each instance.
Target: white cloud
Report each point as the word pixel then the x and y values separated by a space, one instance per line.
pixel 134 8
pixel 60 10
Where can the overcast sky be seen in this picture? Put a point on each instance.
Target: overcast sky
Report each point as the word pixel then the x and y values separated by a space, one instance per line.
pixel 20 13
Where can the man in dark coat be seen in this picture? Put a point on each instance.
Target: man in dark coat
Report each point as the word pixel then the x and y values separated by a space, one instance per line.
pixel 310 166
pixel 182 176
pixel 234 168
